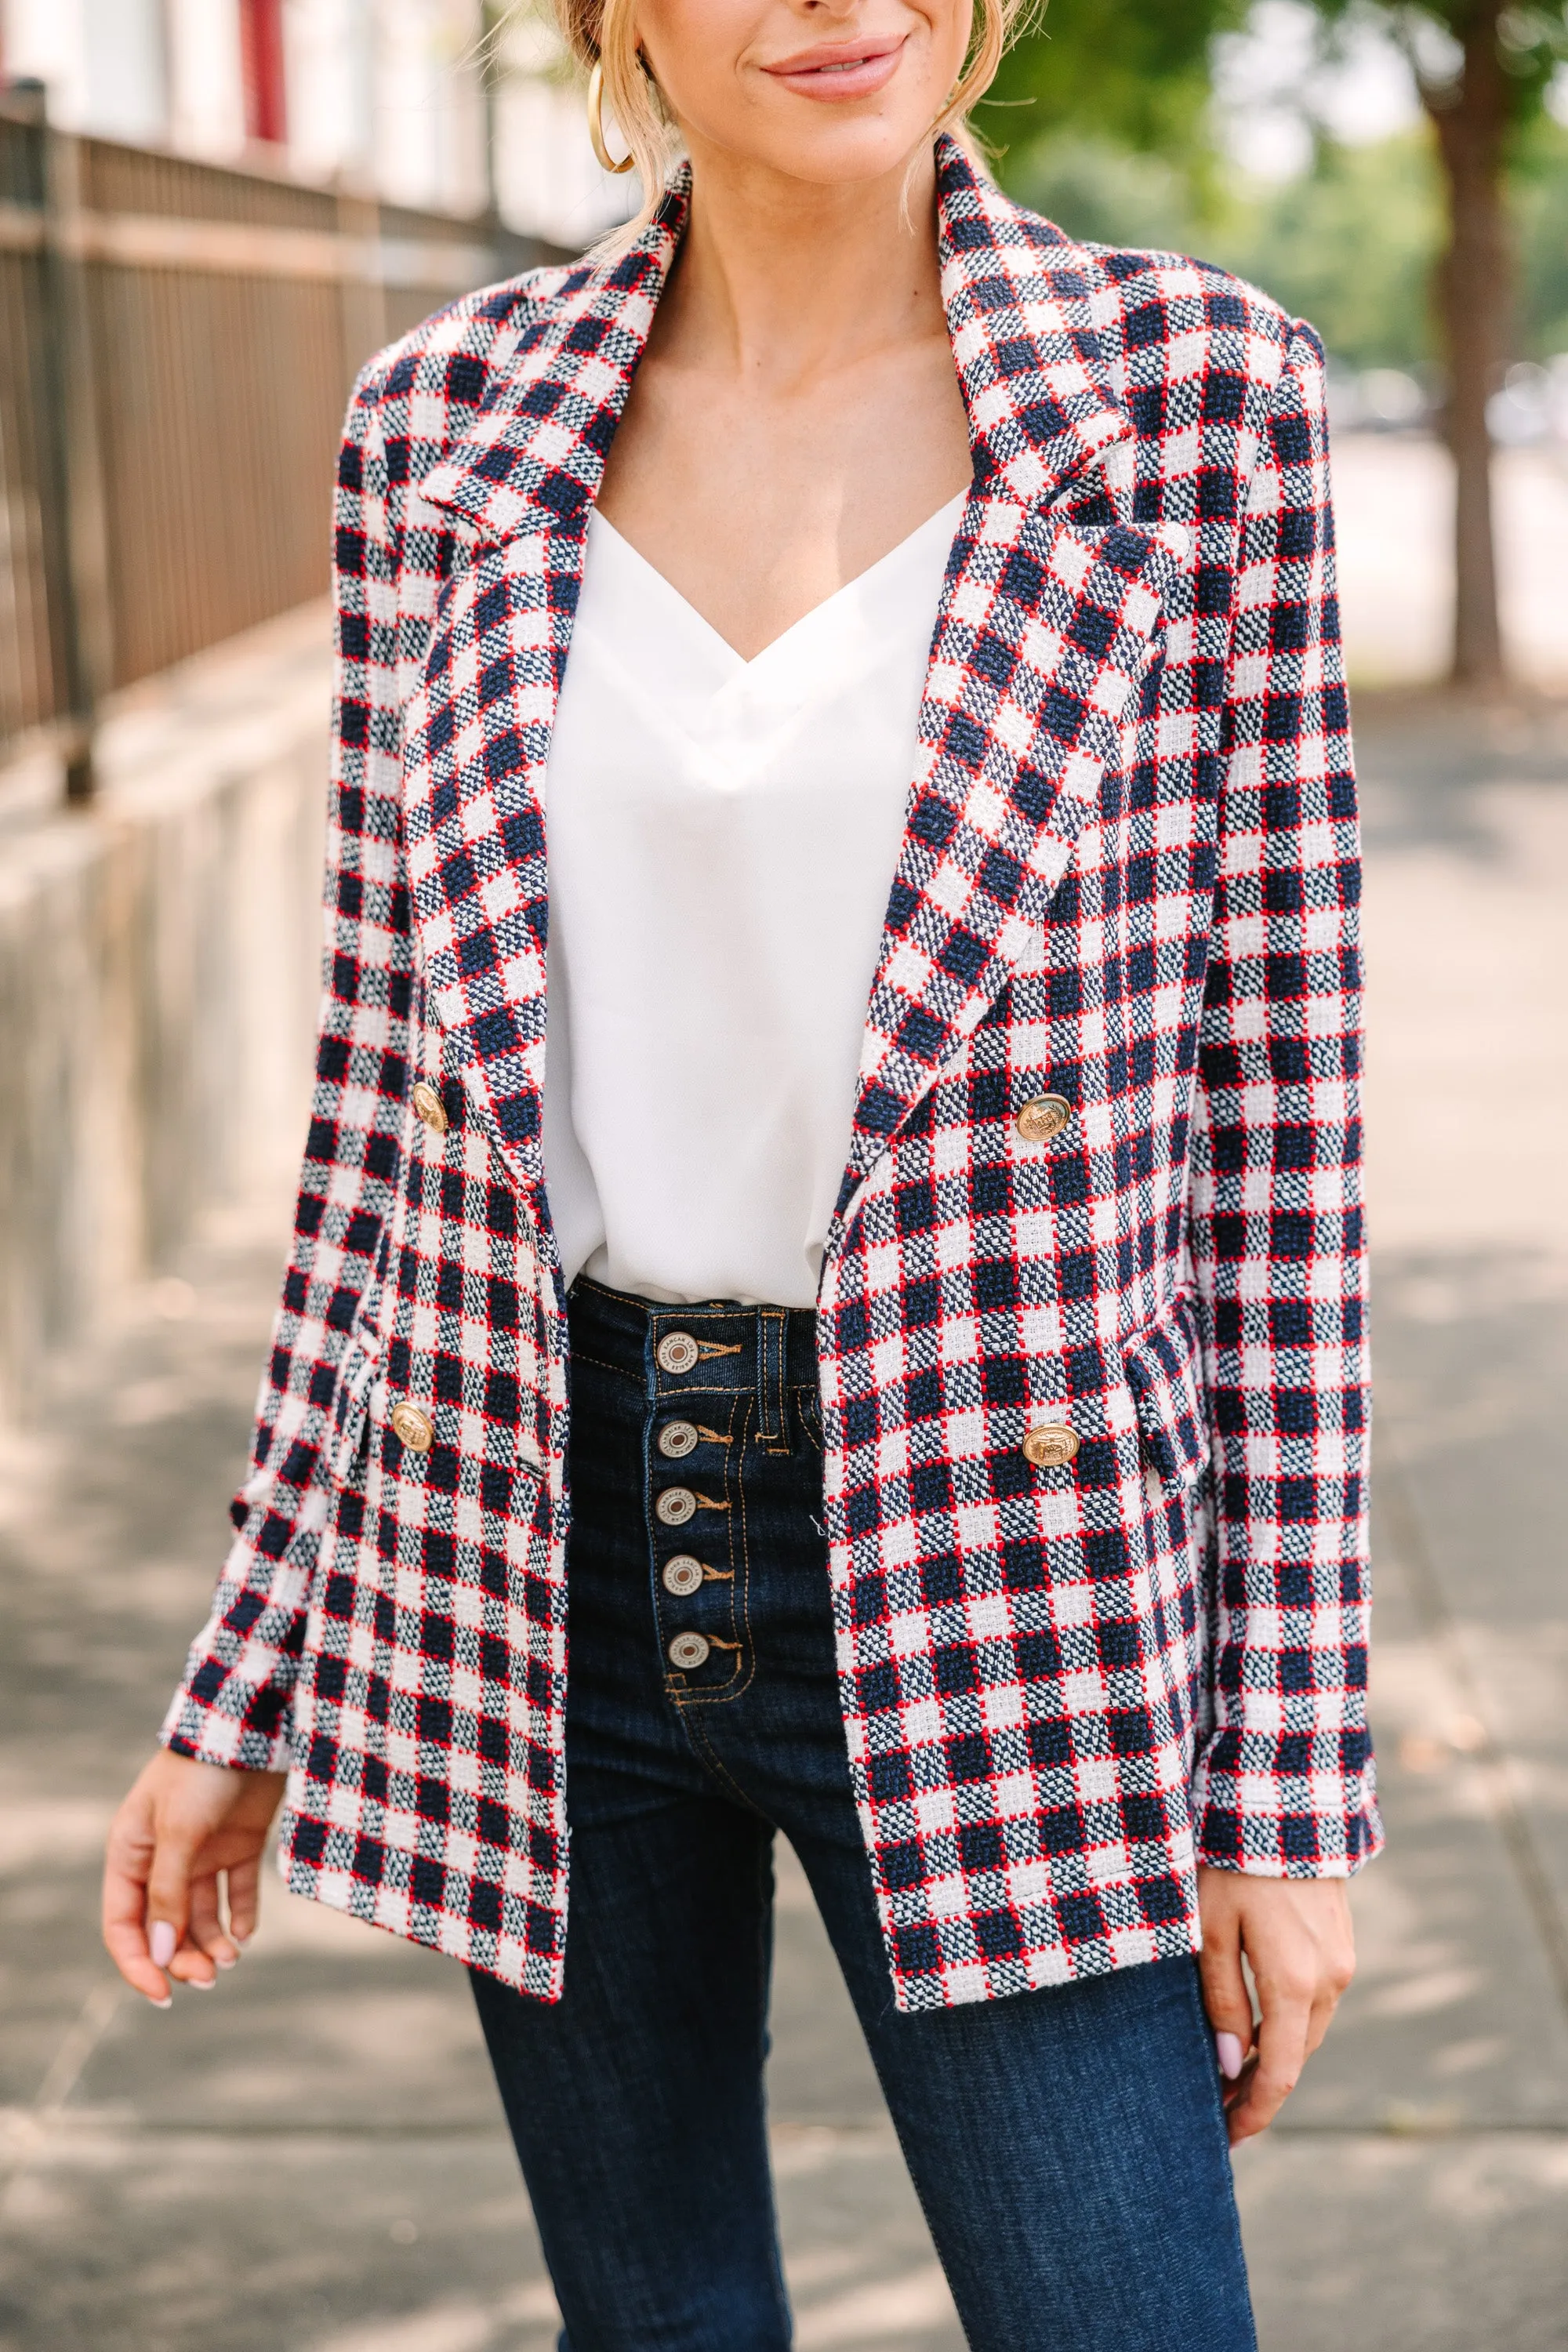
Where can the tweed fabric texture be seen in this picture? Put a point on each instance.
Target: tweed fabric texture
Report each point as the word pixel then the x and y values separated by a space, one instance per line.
pixel 1128 878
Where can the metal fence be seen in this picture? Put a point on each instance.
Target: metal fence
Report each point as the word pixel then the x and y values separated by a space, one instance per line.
pixel 176 343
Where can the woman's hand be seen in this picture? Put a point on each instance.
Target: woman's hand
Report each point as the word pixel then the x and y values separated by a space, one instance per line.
pixel 1296 1934
pixel 181 1825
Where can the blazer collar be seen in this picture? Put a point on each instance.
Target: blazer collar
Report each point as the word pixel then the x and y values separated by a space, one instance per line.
pixel 1031 316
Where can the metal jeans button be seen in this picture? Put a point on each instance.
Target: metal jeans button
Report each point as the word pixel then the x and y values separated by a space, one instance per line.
pixel 675 1505
pixel 682 1575
pixel 688 1651
pixel 677 1439
pixel 676 1352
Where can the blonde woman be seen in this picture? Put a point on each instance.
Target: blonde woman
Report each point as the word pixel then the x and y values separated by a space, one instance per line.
pixel 833 1184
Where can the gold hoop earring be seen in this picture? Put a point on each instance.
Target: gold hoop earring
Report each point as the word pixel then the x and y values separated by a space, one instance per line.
pixel 596 126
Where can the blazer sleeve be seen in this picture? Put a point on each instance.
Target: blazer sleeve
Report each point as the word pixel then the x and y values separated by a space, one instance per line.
pixel 233 1704
pixel 1284 1784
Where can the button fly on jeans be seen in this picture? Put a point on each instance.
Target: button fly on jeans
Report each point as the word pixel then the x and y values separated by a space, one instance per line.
pixel 677 1439
pixel 682 1575
pixel 675 1505
pixel 688 1651
pixel 676 1352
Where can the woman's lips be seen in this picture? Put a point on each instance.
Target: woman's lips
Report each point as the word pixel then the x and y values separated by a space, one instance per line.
pixel 827 73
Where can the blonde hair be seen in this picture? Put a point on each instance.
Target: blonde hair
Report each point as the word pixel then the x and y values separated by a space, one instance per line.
pixel 602 33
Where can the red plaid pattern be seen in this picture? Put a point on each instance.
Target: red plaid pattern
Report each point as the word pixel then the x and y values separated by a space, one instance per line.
pixel 1129 879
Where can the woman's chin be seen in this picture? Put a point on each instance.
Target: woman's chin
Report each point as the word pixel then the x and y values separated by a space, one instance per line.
pixel 828 149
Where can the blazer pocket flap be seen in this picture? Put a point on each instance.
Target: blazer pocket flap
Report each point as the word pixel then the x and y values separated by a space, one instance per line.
pixel 1164 1372
pixel 351 1404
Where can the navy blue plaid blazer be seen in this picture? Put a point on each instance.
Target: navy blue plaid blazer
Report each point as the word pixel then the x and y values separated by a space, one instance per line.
pixel 1129 879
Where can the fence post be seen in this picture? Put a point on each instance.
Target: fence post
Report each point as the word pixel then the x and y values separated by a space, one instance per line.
pixel 71 371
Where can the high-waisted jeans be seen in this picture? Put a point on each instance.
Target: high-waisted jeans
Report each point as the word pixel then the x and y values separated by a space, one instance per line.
pixel 1067 2144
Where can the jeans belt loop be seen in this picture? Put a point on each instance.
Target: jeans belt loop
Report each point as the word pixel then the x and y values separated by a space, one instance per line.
pixel 773 1425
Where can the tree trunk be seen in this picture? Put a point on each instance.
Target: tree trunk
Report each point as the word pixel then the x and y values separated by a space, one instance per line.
pixel 1471 121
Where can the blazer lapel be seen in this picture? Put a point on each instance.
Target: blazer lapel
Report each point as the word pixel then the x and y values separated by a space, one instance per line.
pixel 536 453
pixel 478 727
pixel 1052 596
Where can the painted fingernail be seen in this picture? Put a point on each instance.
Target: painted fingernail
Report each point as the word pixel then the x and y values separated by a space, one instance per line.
pixel 167 2002
pixel 233 1962
pixel 204 1984
pixel 161 1943
pixel 1232 2057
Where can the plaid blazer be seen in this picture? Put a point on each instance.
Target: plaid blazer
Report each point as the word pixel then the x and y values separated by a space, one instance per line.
pixel 1129 881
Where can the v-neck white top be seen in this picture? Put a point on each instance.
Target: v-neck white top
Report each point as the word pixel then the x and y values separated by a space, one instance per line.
pixel 721 840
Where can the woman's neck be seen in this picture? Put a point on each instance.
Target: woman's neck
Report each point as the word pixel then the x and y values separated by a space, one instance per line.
pixel 781 281
pixel 797 413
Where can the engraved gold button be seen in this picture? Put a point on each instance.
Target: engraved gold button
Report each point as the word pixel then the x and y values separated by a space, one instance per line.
pixel 429 1106
pixel 688 1652
pixel 416 1429
pixel 676 1352
pixel 1043 1119
pixel 675 1439
pixel 682 1575
pixel 675 1505
pixel 1051 1446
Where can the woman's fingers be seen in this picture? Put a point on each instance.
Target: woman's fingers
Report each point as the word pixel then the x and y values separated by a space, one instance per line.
pixel 169 1883
pixel 1227 2001
pixel 1330 1921
pixel 207 1949
pixel 126 1866
pixel 1281 2054
pixel 244 1899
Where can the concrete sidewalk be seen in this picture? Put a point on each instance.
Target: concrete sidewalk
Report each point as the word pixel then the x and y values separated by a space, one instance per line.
pixel 311 2160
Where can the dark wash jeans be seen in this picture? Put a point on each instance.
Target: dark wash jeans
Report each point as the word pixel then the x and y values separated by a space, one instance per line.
pixel 1067 2144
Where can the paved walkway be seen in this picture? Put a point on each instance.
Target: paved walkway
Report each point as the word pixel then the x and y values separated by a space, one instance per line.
pixel 311 2160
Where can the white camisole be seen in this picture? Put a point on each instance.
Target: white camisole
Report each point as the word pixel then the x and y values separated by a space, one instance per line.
pixel 722 836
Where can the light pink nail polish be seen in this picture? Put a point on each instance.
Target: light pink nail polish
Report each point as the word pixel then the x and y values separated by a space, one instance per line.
pixel 161 1943
pixel 204 1984
pixel 1232 2057
pixel 167 2002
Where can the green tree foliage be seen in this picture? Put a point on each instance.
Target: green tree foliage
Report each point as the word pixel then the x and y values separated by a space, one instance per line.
pixel 1134 71
pixel 1532 40
pixel 1106 194
pixel 1539 188
pixel 1351 246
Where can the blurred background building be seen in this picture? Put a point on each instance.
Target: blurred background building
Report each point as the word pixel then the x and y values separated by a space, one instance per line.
pixel 441 104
